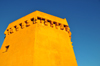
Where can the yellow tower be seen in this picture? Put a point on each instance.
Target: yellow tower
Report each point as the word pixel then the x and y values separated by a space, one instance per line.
pixel 38 39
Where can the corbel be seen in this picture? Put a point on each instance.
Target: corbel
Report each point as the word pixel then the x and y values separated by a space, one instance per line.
pixel 69 33
pixel 8 32
pixel 11 31
pixel 56 25
pixel 61 26
pixel 35 20
pixel 66 27
pixel 51 24
pixel 27 23
pixel 22 25
pixel 40 20
pixel 16 28
pixel 32 19
pixel 45 22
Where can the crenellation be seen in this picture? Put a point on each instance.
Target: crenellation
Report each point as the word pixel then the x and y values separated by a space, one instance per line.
pixel 44 21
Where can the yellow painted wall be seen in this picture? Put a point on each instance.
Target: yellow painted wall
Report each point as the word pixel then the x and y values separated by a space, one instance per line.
pixel 40 40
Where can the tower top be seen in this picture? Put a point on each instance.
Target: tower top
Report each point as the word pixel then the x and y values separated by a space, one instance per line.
pixel 40 14
pixel 34 16
pixel 38 39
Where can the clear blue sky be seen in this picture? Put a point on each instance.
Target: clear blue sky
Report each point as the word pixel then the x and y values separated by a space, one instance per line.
pixel 83 17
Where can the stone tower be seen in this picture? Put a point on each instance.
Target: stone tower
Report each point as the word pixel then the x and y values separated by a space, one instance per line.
pixel 38 39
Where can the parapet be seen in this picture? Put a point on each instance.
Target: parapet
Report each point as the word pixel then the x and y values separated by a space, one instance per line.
pixel 35 17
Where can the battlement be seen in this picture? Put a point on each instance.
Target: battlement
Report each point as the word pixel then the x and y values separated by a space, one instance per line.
pixel 38 17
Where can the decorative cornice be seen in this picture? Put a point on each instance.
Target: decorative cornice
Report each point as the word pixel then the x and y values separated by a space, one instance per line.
pixel 34 20
pixel 37 16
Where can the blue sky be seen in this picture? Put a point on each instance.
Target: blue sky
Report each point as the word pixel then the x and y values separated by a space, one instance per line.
pixel 83 17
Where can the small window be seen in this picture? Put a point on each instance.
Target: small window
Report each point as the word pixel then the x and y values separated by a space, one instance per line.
pixel 7 47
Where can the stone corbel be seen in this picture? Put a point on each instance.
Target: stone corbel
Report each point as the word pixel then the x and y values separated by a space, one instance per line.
pixel 56 25
pixel 69 34
pixel 66 27
pixel 11 31
pixel 23 25
pixel 35 20
pixel 51 24
pixel 16 28
pixel 41 21
pixel 32 19
pixel 27 23
pixel 45 22
pixel 61 26
pixel 8 32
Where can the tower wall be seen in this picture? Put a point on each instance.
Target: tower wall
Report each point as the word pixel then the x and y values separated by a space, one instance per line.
pixel 37 40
